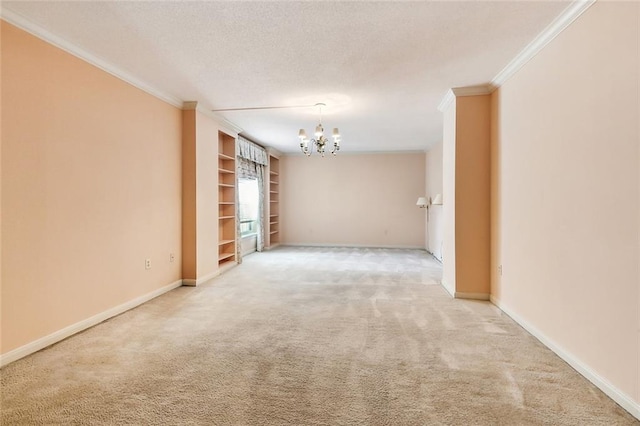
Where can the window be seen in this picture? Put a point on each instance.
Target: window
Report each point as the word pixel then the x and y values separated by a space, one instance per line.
pixel 249 199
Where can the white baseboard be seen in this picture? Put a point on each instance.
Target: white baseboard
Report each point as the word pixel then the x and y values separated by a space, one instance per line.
pixel 473 296
pixel 213 274
pixel 194 283
pixel 248 252
pixel 446 288
pixel 353 246
pixel 59 335
pixel 624 400
pixel 434 256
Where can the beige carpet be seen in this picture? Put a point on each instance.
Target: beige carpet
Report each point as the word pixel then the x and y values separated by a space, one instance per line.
pixel 306 336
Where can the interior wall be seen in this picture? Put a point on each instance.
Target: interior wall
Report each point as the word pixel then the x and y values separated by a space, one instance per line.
pixel 472 196
pixel 206 195
pixel 566 194
pixel 435 217
pixel 91 187
pixel 449 198
pixel 1 345
pixel 189 222
pixel 248 244
pixel 353 200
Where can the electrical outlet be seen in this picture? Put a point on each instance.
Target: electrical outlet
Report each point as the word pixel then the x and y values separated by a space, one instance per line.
pixel 172 257
pixel 500 269
pixel 147 264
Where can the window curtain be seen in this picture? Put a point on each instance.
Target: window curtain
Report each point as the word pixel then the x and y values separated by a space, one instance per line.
pixel 252 160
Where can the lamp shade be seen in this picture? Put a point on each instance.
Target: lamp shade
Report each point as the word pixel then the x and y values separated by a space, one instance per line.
pixel 437 199
pixel 422 201
pixel 302 134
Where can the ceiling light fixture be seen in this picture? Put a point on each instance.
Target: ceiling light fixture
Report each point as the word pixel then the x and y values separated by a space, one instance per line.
pixel 320 140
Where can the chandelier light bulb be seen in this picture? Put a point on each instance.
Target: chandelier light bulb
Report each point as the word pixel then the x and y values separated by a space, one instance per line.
pixel 320 141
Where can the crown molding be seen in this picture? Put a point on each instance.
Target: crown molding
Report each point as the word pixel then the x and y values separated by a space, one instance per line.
pixel 446 101
pixel 570 14
pixel 456 92
pixel 483 89
pixel 273 151
pixel 226 124
pixel 23 23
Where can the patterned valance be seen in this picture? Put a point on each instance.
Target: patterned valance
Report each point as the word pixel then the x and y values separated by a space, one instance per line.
pixel 251 151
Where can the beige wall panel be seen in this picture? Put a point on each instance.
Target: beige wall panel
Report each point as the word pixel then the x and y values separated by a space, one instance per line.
pixel 353 199
pixel 472 185
pixel 207 194
pixel 434 186
pixel 449 198
pixel 189 225
pixel 566 191
pixel 91 187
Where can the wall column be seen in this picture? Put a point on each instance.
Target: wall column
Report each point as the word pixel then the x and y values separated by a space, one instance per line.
pixel 466 192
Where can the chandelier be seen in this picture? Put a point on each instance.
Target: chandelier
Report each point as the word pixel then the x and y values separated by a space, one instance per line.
pixel 320 141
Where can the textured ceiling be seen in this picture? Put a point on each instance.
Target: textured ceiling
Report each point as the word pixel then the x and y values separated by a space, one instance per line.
pixel 382 68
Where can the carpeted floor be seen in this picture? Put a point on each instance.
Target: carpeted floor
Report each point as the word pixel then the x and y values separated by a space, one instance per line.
pixel 306 336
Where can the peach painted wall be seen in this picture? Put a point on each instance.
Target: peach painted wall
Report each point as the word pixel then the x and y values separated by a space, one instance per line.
pixel 472 188
pixel 466 187
pixel 566 189
pixel 433 183
pixel 449 198
pixel 189 230
pixel 91 187
pixel 353 200
pixel 207 194
pixel 200 193
pixel 1 339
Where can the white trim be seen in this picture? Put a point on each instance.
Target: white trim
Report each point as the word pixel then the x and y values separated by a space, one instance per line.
pixel 189 282
pixel 472 296
pixel 353 246
pixel 570 14
pixel 273 151
pixel 251 251
pixel 444 284
pixel 194 283
pixel 197 282
pixel 225 268
pixel 189 105
pixel 226 124
pixel 211 275
pixel 446 101
pixel 23 23
pixel 434 256
pixel 59 335
pixel 456 92
pixel 484 89
pixel 624 400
